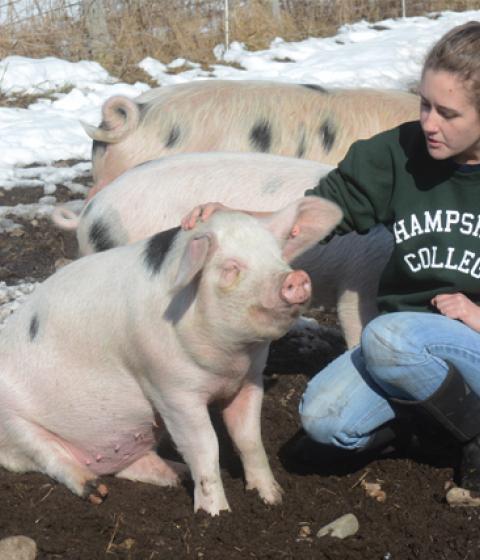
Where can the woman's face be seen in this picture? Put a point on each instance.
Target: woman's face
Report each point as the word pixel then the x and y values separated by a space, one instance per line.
pixel 450 121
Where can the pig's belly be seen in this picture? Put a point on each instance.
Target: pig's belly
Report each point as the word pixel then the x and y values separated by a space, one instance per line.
pixel 105 435
pixel 103 421
pixel 118 451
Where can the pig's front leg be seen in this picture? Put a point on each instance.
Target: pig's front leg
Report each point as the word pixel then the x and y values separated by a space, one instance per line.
pixel 242 419
pixel 188 422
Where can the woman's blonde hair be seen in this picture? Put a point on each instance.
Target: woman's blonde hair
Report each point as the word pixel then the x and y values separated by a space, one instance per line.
pixel 458 52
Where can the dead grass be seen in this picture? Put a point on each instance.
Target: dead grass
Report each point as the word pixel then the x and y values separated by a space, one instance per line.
pixel 166 30
pixel 24 100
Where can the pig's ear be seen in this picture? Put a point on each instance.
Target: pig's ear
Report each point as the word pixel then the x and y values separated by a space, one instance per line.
pixel 193 259
pixel 303 223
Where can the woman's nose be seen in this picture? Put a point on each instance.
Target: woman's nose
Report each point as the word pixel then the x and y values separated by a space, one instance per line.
pixel 429 121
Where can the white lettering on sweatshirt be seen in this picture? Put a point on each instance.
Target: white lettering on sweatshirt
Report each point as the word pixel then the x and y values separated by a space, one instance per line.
pixel 439 221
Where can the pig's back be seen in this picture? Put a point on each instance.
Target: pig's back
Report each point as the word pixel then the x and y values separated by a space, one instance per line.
pixel 67 298
pixel 155 195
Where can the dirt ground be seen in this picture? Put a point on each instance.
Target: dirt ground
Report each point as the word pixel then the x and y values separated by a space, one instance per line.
pixel 143 522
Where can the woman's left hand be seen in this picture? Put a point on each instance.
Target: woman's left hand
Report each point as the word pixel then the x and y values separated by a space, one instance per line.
pixel 458 306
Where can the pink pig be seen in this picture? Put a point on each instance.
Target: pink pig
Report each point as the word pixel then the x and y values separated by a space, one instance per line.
pixel 155 196
pixel 119 346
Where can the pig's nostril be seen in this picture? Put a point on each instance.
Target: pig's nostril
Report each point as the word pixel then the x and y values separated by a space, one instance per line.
pixel 296 288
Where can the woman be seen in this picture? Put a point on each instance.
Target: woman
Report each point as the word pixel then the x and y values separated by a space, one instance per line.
pixel 422 354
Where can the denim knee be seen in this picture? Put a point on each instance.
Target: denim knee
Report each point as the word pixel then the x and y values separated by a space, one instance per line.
pixel 340 406
pixel 331 429
pixel 397 355
pixel 322 407
pixel 389 339
pixel 322 429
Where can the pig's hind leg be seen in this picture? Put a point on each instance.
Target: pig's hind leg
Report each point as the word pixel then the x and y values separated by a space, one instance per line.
pixel 152 469
pixel 30 447
pixel 15 460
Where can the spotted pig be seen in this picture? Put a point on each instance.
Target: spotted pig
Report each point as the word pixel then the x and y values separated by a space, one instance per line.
pixel 119 346
pixel 304 121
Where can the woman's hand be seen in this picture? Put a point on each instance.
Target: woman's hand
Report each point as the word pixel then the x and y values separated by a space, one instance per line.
pixel 202 212
pixel 458 306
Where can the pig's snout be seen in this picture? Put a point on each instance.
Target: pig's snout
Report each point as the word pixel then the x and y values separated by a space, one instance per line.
pixel 297 287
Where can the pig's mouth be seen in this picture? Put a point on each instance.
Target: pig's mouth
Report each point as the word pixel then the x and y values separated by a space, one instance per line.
pixel 274 322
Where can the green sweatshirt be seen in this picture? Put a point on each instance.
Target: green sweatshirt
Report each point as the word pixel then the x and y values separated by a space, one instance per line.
pixel 432 207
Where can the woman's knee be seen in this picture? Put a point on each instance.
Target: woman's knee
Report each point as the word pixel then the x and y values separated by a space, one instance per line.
pixel 318 430
pixel 325 401
pixel 389 337
pixel 397 352
pixel 330 429
pixel 319 420
pixel 335 400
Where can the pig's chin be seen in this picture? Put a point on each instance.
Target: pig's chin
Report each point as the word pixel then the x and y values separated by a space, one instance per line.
pixel 274 323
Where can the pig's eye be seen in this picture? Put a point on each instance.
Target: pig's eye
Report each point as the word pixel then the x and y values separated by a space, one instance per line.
pixel 229 274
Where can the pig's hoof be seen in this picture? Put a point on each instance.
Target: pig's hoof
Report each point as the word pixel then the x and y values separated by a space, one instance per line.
pixel 210 496
pixel 213 510
pixel 95 493
pixel 270 494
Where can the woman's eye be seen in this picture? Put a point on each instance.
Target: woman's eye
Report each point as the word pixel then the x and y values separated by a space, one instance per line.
pixel 448 114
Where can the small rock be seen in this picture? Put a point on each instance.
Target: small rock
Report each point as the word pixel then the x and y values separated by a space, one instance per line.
pixel 461 497
pixel 345 526
pixel 374 490
pixel 304 531
pixel 18 548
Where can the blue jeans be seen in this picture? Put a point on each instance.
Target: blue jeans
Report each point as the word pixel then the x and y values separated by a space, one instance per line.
pixel 401 355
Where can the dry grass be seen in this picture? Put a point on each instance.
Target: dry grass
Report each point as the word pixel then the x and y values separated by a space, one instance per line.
pixel 165 29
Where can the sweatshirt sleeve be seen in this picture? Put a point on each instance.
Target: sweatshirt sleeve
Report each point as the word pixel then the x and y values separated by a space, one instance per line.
pixel 362 185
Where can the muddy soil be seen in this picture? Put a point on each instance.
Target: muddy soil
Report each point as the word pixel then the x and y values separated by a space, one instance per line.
pixel 143 522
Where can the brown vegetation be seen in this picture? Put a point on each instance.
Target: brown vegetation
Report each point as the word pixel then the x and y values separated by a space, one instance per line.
pixel 167 29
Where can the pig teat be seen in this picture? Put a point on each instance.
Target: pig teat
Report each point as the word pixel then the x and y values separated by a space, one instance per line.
pixel 297 287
